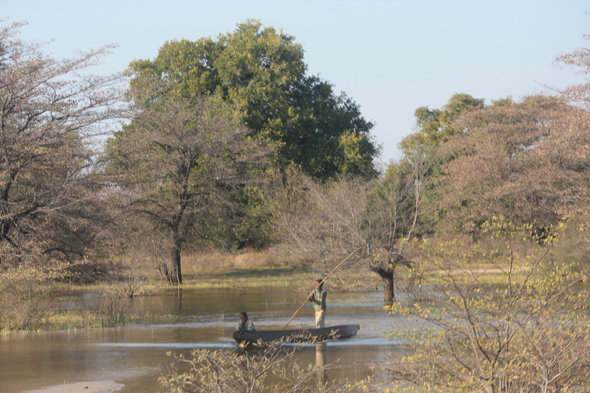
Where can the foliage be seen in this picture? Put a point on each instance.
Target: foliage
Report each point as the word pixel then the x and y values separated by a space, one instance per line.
pixel 262 71
pixel 270 368
pixel 436 126
pixel 424 149
pixel 527 161
pixel 177 163
pixel 253 224
pixel 528 333
pixel 50 110
pixel 27 302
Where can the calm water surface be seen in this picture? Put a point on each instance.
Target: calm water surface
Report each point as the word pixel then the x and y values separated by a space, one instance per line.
pixel 136 355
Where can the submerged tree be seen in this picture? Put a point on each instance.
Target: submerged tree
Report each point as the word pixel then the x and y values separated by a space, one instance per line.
pixel 49 112
pixel 332 220
pixel 177 161
pixel 394 213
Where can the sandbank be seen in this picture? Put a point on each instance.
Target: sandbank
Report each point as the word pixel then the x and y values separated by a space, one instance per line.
pixel 82 387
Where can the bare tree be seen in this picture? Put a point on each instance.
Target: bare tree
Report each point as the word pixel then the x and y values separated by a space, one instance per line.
pixel 50 111
pixel 177 161
pixel 331 220
pixel 394 211
pixel 325 220
pixel 580 60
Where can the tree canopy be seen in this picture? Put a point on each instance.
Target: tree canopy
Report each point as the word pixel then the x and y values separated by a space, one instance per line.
pixel 526 161
pixel 436 126
pixel 262 71
pixel 50 110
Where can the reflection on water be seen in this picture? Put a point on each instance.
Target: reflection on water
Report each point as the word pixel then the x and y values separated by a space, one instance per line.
pixel 320 354
pixel 320 362
pixel 136 355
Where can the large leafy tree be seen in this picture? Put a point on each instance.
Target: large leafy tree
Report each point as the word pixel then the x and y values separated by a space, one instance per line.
pixel 49 112
pixel 262 70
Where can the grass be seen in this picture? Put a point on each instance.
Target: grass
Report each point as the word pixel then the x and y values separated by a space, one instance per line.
pixel 249 269
pixel 266 276
pixel 60 320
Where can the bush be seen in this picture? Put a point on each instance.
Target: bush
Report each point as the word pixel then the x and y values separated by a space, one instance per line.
pixel 268 369
pixel 509 319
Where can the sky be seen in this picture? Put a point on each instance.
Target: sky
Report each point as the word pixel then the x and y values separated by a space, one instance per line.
pixel 391 57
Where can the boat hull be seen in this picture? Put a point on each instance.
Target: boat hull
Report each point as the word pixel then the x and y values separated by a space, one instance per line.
pixel 297 335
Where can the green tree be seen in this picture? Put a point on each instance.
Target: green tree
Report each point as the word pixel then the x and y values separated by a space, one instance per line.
pixel 262 71
pixel 436 126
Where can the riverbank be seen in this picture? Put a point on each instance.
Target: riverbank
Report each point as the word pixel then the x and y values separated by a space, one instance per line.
pixel 43 306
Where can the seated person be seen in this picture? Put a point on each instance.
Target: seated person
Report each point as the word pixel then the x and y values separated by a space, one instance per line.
pixel 245 325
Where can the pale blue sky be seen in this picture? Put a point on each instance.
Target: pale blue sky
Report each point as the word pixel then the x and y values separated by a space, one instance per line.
pixel 389 56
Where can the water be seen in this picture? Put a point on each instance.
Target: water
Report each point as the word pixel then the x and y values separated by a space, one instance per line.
pixel 136 355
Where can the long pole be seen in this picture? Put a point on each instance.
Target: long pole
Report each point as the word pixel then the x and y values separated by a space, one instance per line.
pixel 325 278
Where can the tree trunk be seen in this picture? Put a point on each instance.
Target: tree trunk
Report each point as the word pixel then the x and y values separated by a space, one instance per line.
pixel 386 275
pixel 388 293
pixel 175 273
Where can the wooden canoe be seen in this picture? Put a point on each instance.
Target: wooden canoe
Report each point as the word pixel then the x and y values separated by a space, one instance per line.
pixel 297 335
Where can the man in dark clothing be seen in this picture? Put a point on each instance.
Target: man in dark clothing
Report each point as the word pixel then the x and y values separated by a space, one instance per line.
pixel 318 298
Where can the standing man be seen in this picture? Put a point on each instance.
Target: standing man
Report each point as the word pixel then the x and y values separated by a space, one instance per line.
pixel 318 298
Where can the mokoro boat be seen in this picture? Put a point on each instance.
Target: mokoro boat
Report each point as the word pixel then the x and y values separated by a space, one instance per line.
pixel 297 335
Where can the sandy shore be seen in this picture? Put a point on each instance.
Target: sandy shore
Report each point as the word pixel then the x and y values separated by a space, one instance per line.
pixel 82 387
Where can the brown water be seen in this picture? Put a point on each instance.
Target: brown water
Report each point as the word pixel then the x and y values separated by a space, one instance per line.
pixel 136 355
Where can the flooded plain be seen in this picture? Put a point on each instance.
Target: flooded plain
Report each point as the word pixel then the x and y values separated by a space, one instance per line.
pixel 135 356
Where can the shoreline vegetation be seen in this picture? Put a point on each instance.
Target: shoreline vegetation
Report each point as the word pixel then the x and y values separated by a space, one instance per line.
pixel 28 304
pixel 34 311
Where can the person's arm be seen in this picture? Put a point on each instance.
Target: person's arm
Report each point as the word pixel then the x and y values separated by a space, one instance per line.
pixel 251 327
pixel 311 297
pixel 238 328
pixel 324 294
